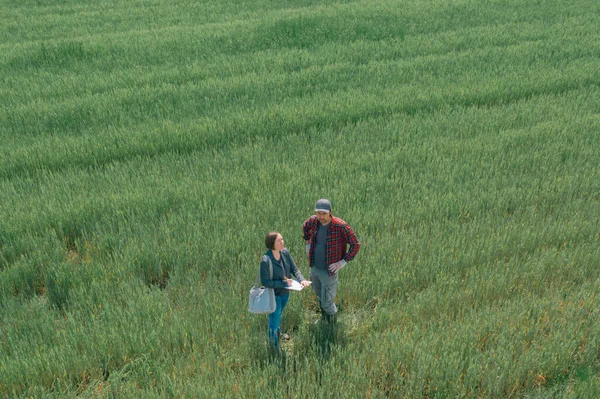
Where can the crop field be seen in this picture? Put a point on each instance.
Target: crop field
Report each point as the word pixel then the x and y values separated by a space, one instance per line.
pixel 147 147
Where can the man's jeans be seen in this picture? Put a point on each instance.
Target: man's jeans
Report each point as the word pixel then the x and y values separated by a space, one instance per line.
pixel 325 287
pixel 275 319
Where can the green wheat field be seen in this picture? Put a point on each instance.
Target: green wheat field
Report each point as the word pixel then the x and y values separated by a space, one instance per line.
pixel 147 147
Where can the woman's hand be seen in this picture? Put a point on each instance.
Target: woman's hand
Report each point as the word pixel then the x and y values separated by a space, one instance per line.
pixel 288 281
pixel 305 283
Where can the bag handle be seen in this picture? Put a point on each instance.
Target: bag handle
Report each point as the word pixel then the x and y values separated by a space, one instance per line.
pixel 257 282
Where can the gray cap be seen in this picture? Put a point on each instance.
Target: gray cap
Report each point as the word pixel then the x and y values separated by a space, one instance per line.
pixel 323 205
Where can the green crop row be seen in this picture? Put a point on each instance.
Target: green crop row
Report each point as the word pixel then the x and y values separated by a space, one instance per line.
pixel 148 147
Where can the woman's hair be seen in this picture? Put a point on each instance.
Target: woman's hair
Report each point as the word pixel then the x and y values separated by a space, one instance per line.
pixel 270 239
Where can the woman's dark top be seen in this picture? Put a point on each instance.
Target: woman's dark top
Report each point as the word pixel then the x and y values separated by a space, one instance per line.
pixel 284 267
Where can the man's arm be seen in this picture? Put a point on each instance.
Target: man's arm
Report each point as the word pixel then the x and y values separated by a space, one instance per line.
pixel 307 228
pixel 352 241
pixel 349 239
pixel 307 233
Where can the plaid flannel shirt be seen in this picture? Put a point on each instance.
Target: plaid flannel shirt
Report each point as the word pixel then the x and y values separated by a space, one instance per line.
pixel 339 236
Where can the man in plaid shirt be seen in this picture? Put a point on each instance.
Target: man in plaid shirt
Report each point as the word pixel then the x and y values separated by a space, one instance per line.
pixel 330 244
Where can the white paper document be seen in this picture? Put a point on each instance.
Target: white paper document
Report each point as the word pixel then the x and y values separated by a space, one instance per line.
pixel 296 286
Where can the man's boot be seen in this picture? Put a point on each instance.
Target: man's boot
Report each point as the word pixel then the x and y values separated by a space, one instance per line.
pixel 331 318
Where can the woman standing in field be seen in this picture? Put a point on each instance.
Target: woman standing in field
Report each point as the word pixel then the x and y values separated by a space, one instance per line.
pixel 283 268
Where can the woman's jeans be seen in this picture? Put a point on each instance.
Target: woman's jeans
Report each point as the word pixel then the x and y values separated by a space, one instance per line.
pixel 275 319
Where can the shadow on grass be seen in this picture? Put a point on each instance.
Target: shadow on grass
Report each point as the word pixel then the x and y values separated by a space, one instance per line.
pixel 316 344
pixel 325 337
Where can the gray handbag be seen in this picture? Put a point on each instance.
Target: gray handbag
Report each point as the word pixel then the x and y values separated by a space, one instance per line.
pixel 262 299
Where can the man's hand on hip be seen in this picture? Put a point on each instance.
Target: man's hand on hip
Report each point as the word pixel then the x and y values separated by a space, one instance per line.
pixel 334 267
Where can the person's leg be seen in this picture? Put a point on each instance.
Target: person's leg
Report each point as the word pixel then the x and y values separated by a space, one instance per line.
pixel 328 293
pixel 316 284
pixel 275 320
pixel 284 301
